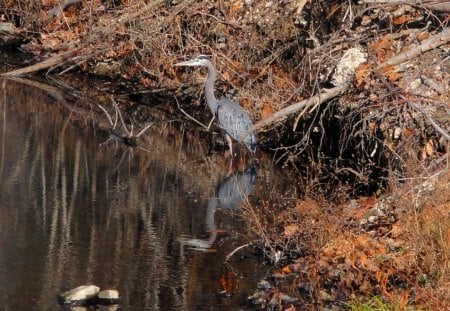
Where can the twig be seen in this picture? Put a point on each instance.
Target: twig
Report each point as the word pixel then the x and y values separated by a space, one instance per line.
pixel 116 107
pixel 350 170
pixel 210 122
pixel 190 117
pixel 236 250
pixel 434 124
pixel 113 125
pixel 77 64
pixel 218 20
pixel 432 84
pixel 143 130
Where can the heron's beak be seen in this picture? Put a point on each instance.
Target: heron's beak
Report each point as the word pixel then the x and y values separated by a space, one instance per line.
pixel 186 63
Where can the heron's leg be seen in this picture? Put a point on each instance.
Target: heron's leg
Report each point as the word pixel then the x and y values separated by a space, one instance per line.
pixel 210 122
pixel 230 167
pixel 230 144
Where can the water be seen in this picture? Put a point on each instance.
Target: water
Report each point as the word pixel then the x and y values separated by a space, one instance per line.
pixel 152 221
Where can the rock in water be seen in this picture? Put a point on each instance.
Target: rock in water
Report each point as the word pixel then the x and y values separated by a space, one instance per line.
pixel 79 295
pixel 108 296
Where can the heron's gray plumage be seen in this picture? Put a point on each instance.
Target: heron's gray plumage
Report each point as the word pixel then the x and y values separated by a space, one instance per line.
pixel 235 122
pixel 230 116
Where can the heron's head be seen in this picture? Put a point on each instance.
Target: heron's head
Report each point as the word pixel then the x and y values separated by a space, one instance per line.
pixel 200 60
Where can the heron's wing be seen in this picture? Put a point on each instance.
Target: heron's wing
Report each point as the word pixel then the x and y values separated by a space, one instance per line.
pixel 234 120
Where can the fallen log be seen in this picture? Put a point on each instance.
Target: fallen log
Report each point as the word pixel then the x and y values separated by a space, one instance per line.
pixel 284 113
pixel 428 44
pixel 46 63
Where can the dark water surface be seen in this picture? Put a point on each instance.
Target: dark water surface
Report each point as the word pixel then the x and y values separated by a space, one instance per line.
pixel 152 221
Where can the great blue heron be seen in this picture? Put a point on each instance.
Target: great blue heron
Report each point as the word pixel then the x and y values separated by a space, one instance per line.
pixel 231 118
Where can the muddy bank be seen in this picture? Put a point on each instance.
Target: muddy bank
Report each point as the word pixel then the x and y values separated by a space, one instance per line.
pixel 351 117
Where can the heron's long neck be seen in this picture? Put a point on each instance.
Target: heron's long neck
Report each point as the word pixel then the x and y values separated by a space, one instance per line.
pixel 209 89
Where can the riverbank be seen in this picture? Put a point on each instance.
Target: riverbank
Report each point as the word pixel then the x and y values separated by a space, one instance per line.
pixel 366 132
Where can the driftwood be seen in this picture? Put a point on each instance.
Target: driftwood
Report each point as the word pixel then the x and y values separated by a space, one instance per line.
pixel 283 114
pixel 428 44
pixel 49 62
pixel 434 5
pixel 440 7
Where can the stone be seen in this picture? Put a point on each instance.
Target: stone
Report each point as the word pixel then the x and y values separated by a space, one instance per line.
pixel 79 295
pixel 345 69
pixel 8 28
pixel 372 219
pixel 108 296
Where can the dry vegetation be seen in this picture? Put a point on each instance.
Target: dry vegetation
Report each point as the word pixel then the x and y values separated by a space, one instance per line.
pixel 389 129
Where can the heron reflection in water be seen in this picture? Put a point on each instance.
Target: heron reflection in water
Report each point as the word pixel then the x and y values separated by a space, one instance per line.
pixel 230 193
pixel 231 118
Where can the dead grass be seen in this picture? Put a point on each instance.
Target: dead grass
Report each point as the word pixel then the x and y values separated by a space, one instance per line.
pixel 344 253
pixel 427 232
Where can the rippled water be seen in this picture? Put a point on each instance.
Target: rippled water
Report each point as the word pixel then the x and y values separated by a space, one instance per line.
pixel 152 221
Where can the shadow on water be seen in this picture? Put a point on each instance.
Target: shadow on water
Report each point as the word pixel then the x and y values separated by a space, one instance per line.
pixel 74 211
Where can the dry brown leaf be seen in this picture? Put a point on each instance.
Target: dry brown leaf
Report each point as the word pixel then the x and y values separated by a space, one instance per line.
pixel 307 205
pixel 291 230
pixel 50 2
pixel 367 202
pixel 266 111
pixel 284 270
pixel 236 65
pixel 396 231
pixel 226 76
pixel 404 299
pixel 382 278
pixel 401 19
pixel 235 7
pixel 226 281
pixel 390 73
pixel 382 48
pixel 362 75
pixel 245 103
pixel 407 132
pixel 423 35
pixel 290 308
pixel 362 242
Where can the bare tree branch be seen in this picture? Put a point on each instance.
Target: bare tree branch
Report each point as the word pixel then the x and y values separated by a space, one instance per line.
pixel 46 63
pixel 428 44
pixel 283 114
pixel 435 5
